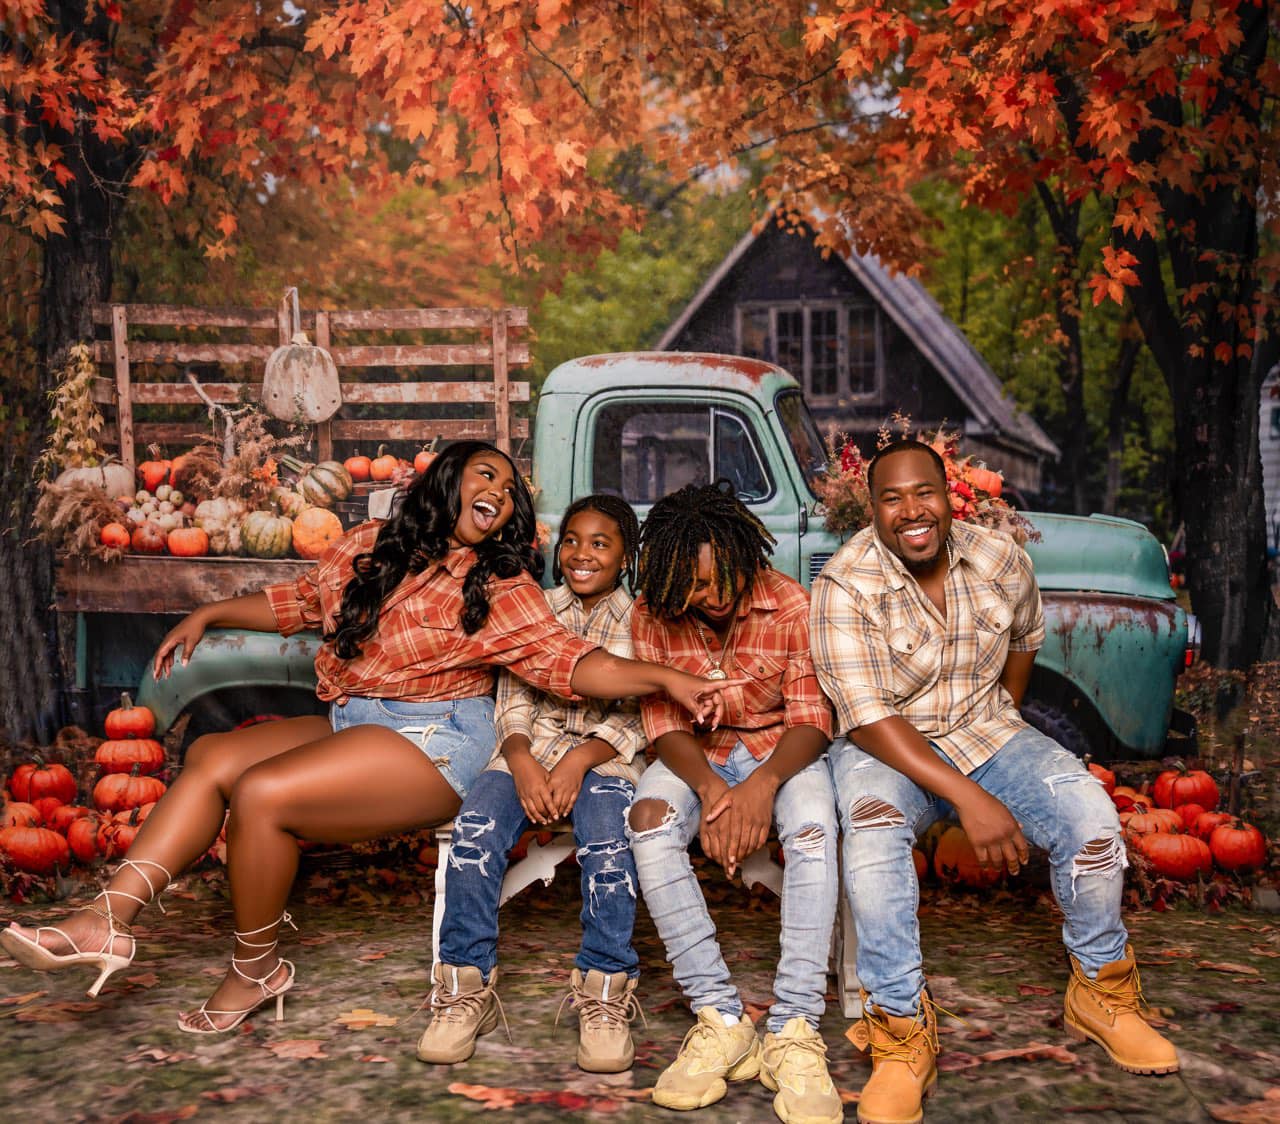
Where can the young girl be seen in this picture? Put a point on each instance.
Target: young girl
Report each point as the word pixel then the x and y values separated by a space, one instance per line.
pixel 415 613
pixel 557 759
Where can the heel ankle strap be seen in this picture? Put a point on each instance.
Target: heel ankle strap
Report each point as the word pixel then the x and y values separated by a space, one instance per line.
pixel 136 866
pixel 268 946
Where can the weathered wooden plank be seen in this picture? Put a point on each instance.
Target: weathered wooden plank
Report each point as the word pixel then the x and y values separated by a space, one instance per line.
pixel 451 429
pixel 354 393
pixel 173 315
pixel 324 430
pixel 422 355
pixel 501 394
pixel 124 399
pixel 163 585
pixel 390 319
pixel 160 433
pixel 164 351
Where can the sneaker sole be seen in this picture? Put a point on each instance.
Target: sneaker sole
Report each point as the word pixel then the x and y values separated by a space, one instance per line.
pixel 606 1065
pixel 745 1070
pixel 465 1051
pixel 1082 1035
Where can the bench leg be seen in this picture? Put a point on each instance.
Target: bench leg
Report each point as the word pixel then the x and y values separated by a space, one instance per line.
pixel 848 987
pixel 444 841
pixel 539 862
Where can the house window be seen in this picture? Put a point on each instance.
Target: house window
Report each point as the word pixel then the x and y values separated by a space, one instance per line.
pixel 834 350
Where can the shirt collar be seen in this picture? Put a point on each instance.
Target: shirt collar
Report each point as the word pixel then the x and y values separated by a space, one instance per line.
pixel 616 604
pixel 894 569
pixel 459 561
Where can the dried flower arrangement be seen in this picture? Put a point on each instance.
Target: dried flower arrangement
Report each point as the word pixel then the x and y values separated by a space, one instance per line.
pixel 974 489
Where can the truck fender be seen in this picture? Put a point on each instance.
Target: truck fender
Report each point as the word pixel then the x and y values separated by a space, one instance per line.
pixel 226 659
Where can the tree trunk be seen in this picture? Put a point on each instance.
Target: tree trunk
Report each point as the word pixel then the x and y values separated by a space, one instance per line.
pixel 1118 412
pixel 76 273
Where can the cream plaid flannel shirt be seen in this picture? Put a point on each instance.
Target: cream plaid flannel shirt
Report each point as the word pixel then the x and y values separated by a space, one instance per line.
pixel 881 647
pixel 552 724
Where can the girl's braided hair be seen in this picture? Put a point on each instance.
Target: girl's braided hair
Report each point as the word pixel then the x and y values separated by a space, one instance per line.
pixel 611 507
pixel 418 535
pixel 673 533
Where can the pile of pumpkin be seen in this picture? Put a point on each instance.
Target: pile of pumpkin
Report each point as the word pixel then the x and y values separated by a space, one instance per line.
pixel 43 826
pixel 1173 824
pixel 298 518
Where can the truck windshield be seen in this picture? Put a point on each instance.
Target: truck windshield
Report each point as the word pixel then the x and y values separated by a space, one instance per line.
pixel 802 434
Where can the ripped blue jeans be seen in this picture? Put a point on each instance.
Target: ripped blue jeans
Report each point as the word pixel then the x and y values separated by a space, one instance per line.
pixel 805 815
pixel 489 825
pixel 1061 808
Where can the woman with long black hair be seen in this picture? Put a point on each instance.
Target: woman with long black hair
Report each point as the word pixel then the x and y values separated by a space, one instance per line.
pixel 416 612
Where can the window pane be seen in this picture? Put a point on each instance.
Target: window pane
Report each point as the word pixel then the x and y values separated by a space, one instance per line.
pixel 824 346
pixel 862 350
pixel 738 460
pixel 790 340
pixel 755 342
pixel 802 434
pixel 643 450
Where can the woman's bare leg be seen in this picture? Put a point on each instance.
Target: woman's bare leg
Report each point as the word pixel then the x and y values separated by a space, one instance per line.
pixel 183 824
pixel 352 785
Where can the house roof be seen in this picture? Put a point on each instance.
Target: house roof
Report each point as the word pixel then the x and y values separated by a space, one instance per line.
pixel 923 322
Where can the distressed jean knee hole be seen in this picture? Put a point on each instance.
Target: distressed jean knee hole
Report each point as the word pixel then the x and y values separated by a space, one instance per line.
pixel 650 815
pixel 870 811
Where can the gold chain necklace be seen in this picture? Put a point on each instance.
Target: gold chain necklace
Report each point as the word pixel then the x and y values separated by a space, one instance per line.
pixel 717 670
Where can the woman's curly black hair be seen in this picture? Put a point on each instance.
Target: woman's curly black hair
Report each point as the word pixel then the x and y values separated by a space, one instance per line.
pixel 418 535
pixel 611 507
pixel 674 531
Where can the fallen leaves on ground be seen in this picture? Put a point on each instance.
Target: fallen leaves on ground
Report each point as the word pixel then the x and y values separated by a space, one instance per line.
pixel 298 1048
pixel 1034 1052
pixel 157 1056
pixel 362 1018
pixel 19 1000
pixel 1036 989
pixel 60 1012
pixel 145 979
pixel 1227 966
pixel 1265 1111
pixel 498 1097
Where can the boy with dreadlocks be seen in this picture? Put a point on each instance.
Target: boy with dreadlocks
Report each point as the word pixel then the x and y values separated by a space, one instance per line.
pixel 711 603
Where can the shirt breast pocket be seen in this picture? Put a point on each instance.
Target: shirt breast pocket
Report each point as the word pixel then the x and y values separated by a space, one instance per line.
pixel 764 691
pixel 331 589
pixel 991 633
pixel 913 650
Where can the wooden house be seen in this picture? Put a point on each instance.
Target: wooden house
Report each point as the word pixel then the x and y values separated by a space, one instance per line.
pixel 863 343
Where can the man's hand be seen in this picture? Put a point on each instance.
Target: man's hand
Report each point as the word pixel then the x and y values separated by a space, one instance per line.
pixel 565 782
pixel 996 836
pixel 748 811
pixel 533 788
pixel 713 834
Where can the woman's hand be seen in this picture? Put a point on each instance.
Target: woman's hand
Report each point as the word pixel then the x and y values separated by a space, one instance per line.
pixel 565 782
pixel 996 836
pixel 186 635
pixel 702 698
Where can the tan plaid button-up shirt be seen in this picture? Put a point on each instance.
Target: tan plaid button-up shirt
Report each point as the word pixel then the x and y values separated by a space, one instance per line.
pixel 881 647
pixel 554 725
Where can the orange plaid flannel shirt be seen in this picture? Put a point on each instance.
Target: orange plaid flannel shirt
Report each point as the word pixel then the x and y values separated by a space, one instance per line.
pixel 419 651
pixel 769 646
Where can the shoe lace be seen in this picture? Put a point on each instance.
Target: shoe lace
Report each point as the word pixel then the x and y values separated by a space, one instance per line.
pixel 1124 996
pixel 702 1042
pixel 924 1025
pixel 806 1057
pixel 449 1007
pixel 595 1013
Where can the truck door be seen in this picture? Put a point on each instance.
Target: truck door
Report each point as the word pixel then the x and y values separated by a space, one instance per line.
pixel 641 448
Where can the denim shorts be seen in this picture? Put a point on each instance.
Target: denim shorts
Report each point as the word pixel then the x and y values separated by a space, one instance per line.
pixel 457 735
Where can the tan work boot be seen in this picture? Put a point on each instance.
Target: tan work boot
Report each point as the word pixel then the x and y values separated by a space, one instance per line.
pixel 1106 1010
pixel 710 1055
pixel 904 1071
pixel 606 1004
pixel 464 1007
pixel 793 1063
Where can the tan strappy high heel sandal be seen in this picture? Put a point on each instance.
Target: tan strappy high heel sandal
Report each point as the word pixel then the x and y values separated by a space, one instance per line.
pixel 33 954
pixel 268 992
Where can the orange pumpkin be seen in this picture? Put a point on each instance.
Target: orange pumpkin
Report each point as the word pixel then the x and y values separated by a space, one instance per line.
pixel 123 755
pixel 314 530
pixel 985 480
pixel 1181 857
pixel 34 779
pixel 1185 786
pixel 955 860
pixel 1105 776
pixel 188 542
pixel 154 473
pixel 36 850
pixel 82 838
pixel 1189 813
pixel 129 721
pixel 1124 797
pixel 118 792
pixel 178 471
pixel 116 834
pixel 424 458
pixel 46 806
pixel 18 813
pixel 64 815
pixel 1149 821
pixel 1205 824
pixel 148 538
pixel 114 535
pixel 1238 846
pixel 383 466
pixel 358 467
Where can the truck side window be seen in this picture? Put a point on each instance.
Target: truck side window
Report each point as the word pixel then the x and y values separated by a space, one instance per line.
pixel 641 451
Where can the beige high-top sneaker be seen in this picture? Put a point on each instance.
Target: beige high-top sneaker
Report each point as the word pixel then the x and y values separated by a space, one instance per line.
pixel 904 1071
pixel 794 1065
pixel 711 1055
pixel 1108 1011
pixel 606 1004
pixel 464 1007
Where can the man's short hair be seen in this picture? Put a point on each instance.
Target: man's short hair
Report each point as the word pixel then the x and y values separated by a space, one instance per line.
pixel 904 445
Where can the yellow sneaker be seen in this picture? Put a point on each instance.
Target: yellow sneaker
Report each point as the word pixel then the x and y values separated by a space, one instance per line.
pixel 711 1055
pixel 794 1065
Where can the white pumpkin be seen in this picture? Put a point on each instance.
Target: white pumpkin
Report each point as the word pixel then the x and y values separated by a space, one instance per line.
pixel 220 520
pixel 113 478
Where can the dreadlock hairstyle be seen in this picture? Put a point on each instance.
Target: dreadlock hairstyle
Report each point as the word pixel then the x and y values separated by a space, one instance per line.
pixel 905 445
pixel 418 535
pixel 611 507
pixel 673 533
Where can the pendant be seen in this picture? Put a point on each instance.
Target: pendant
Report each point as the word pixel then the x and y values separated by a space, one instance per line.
pixel 716 673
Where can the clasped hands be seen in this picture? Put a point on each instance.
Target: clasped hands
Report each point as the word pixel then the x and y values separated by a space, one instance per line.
pixel 736 820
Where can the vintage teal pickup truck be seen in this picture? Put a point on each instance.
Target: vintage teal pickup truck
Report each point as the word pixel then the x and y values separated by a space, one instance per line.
pixel 640 424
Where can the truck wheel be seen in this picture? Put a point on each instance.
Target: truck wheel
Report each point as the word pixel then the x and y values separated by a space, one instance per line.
pixel 1048 719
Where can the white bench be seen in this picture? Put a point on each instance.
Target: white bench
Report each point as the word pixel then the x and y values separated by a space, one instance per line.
pixel 541 860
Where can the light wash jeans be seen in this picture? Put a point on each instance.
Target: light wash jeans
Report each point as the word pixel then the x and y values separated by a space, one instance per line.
pixel 1060 806
pixel 488 826
pixel 804 812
